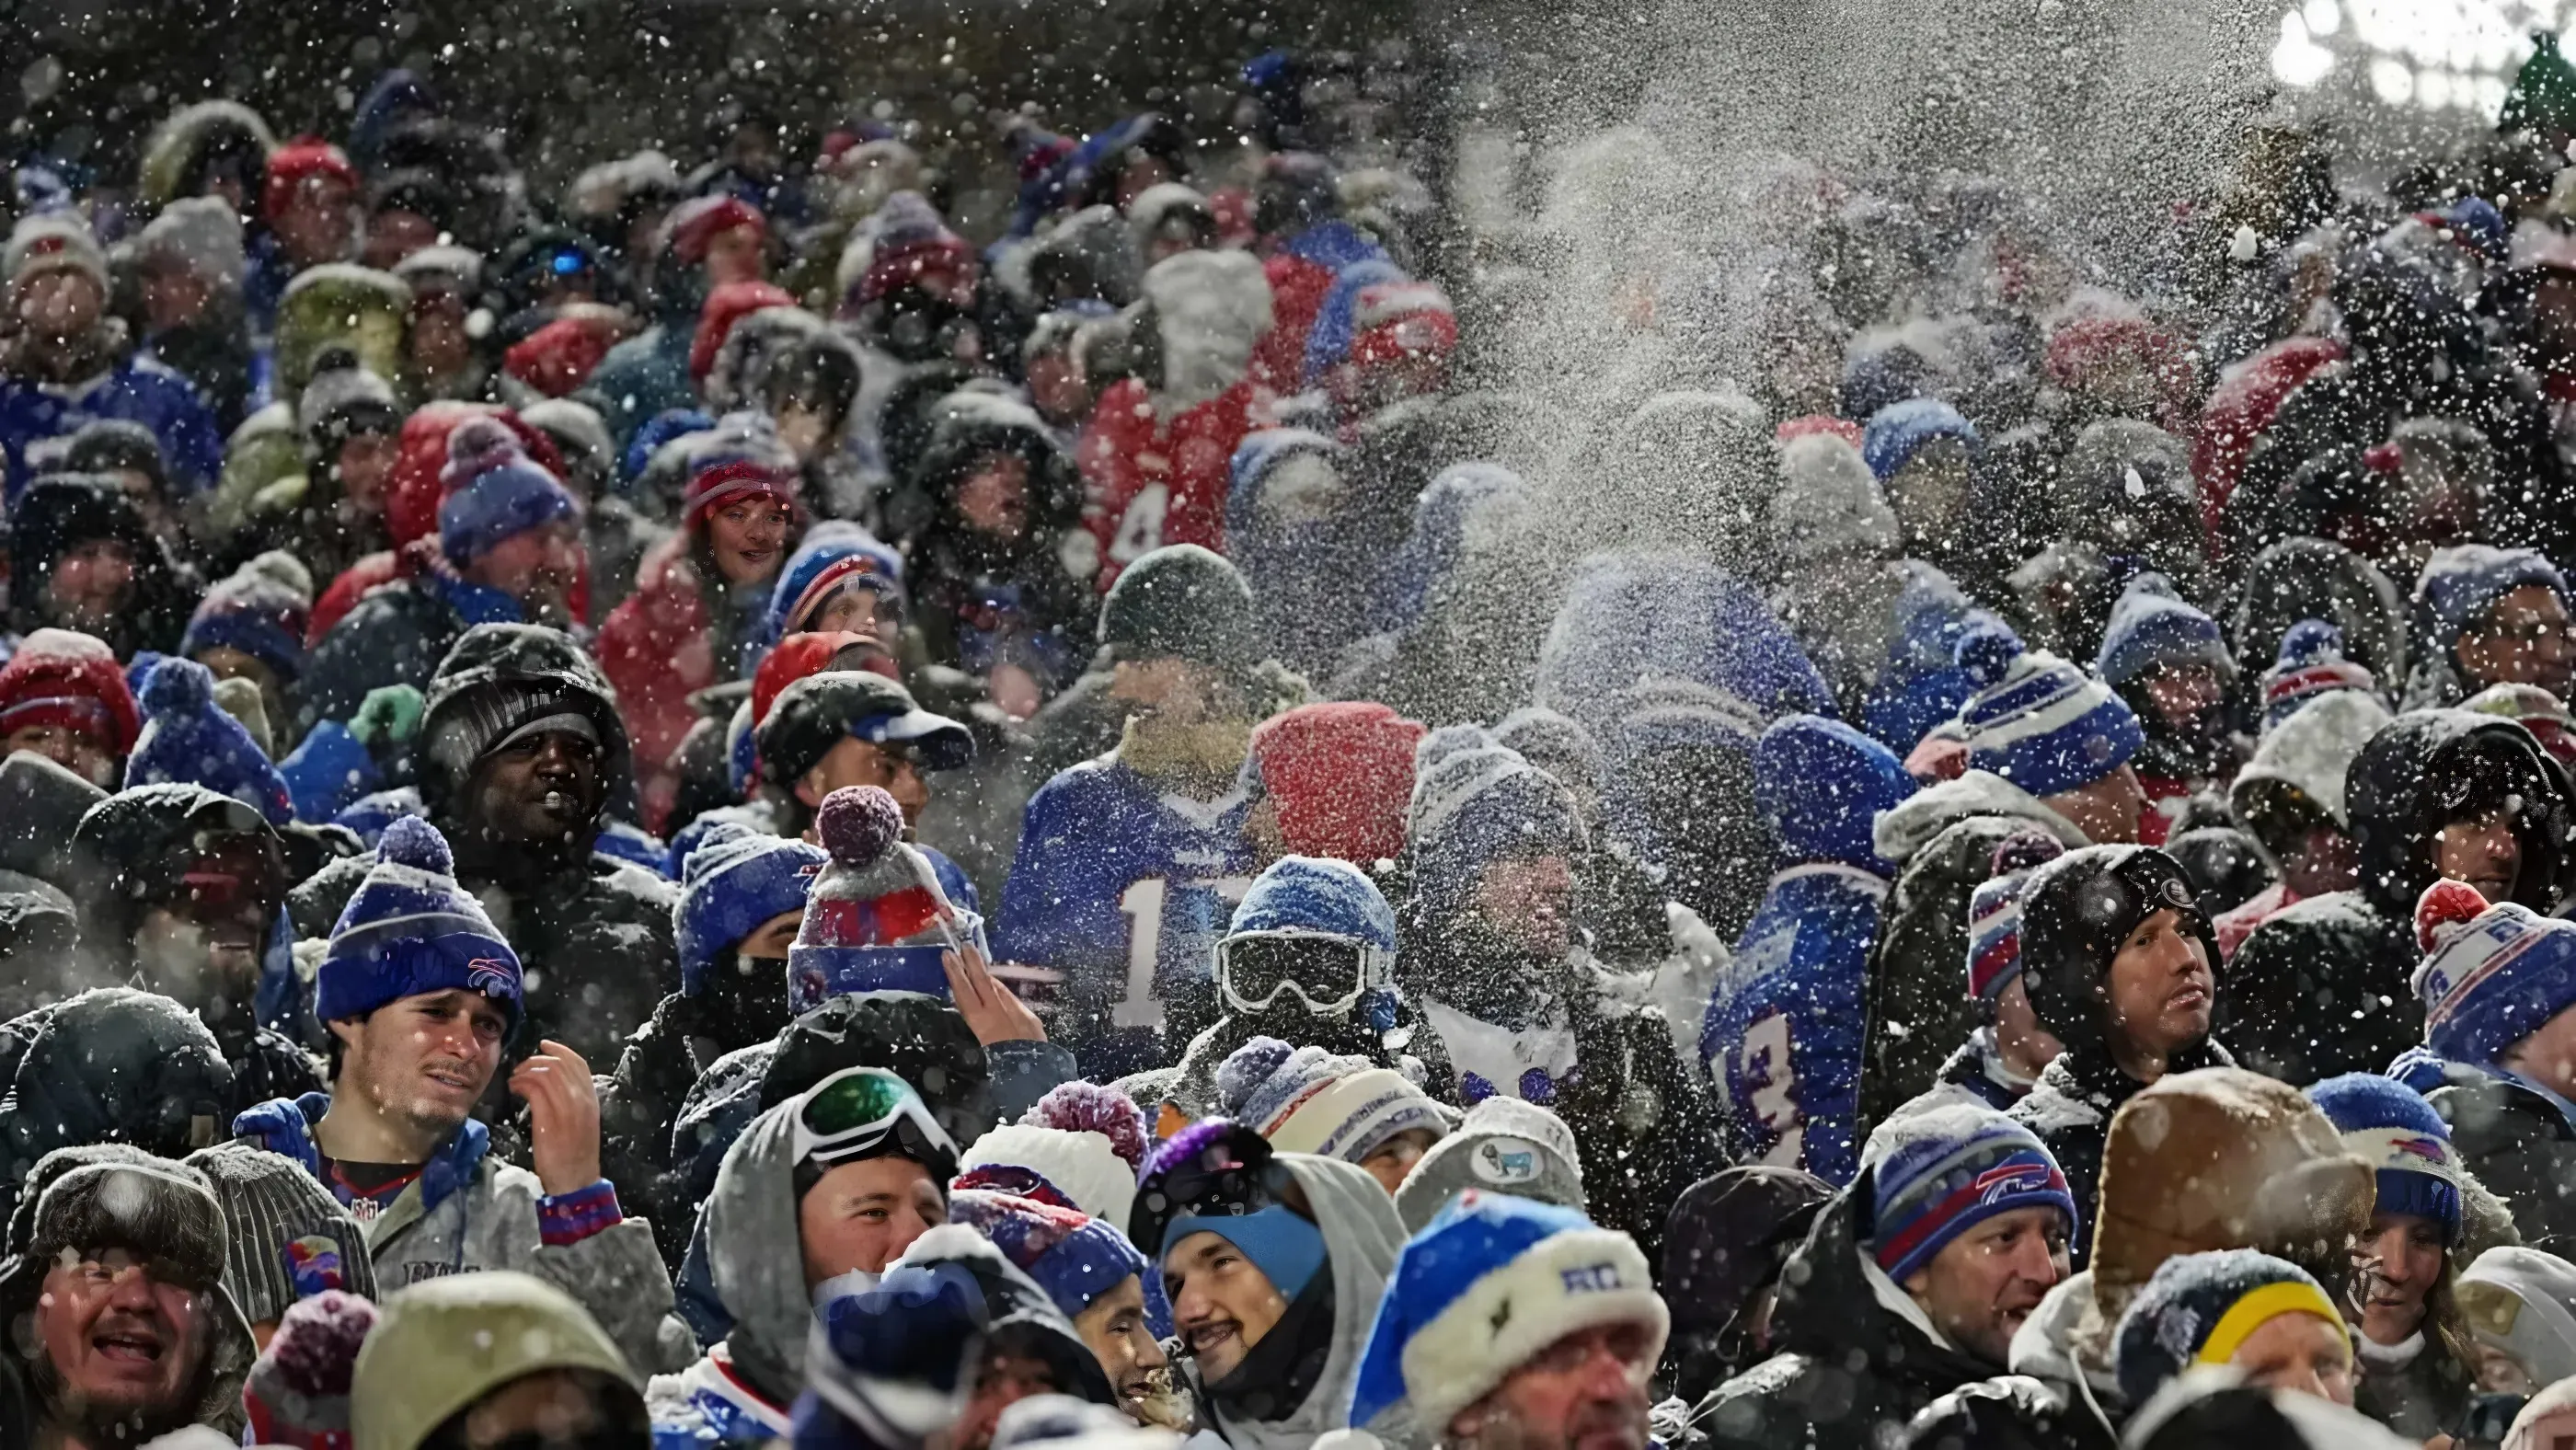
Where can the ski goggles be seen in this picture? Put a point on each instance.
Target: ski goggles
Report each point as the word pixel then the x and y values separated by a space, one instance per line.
pixel 1228 1175
pixel 868 1112
pixel 1327 973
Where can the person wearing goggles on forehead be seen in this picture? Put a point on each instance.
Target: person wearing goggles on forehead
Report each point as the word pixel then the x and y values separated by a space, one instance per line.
pixel 1275 1264
pixel 2119 961
pixel 421 996
pixel 183 895
pixel 1309 958
pixel 813 1201
pixel 113 1296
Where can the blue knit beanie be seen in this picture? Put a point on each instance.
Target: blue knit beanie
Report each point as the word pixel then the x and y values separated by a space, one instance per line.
pixel 2198 1308
pixel 189 740
pixel 2388 1124
pixel 410 930
pixel 2460 584
pixel 1319 896
pixel 1942 1172
pixel 2151 626
pixel 1074 1257
pixel 835 555
pixel 2038 721
pixel 1898 431
pixel 1478 806
pixel 2310 663
pixel 260 610
pixel 510 496
pixel 734 879
pixel 2491 975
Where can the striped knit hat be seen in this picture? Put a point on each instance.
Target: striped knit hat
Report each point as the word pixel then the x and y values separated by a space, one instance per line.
pixel 2201 1308
pixel 410 930
pixel 289 1239
pixel 2038 721
pixel 876 919
pixel 1306 1100
pixel 2492 975
pixel 1994 912
pixel 746 460
pixel 1939 1173
pixel 2406 1143
pixel 2310 664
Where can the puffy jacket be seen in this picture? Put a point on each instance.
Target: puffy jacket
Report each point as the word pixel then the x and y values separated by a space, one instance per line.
pixel 141 390
pixel 2352 953
pixel 1857 1358
pixel 469 1211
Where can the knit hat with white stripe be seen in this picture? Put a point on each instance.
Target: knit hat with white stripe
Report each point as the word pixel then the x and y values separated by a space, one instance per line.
pixel 410 930
pixel 2388 1124
pixel 2038 721
pixel 1489 1283
pixel 2310 664
pixel 1942 1172
pixel 1994 912
pixel 2491 975
pixel 1306 1100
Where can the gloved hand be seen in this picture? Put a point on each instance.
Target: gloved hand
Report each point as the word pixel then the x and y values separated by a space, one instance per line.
pixel 389 716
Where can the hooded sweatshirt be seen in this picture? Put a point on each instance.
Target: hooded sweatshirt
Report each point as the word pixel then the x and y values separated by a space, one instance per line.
pixel 1785 1045
pixel 2354 951
pixel 1361 1238
pixel 2309 752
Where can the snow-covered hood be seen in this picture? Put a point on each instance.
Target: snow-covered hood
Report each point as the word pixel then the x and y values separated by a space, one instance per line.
pixel 2313 748
pixel 753 1250
pixel 1212 309
pixel 1909 826
pixel 1821 784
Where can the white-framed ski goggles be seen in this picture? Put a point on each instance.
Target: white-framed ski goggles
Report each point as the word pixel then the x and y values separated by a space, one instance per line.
pixel 1327 973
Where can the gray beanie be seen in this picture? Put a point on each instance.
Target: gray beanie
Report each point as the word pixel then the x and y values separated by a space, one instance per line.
pixel 1504 1146
pixel 1181 602
pixel 288 1237
pixel 199 233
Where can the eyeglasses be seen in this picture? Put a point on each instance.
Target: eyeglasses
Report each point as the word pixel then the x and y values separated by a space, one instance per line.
pixel 1327 973
pixel 854 1113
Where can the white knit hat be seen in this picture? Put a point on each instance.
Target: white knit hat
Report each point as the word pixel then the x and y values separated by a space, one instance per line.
pixel 1082 1166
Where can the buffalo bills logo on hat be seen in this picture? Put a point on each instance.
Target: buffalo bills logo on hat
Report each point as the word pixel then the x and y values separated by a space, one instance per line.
pixel 492 977
pixel 2430 1149
pixel 313 1265
pixel 2006 1179
pixel 809 870
pixel 2175 892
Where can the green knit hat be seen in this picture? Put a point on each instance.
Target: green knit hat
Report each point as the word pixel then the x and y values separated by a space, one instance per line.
pixel 2543 98
pixel 1181 602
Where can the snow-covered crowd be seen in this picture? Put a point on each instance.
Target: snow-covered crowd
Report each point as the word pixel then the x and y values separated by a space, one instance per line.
pixel 699 812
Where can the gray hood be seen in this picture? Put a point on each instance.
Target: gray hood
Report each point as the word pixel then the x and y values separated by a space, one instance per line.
pixel 752 1250
pixel 1361 1237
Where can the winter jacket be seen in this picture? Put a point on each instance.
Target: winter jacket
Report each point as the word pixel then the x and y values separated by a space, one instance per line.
pixel 1583 1039
pixel 645 376
pixel 138 390
pixel 2071 1109
pixel 1976 1073
pixel 468 1211
pixel 655 1071
pixel 740 1391
pixel 1150 480
pixel 1301 271
pixel 981 601
pixel 1944 838
pixel 394 636
pixel 1361 1238
pixel 2514 1137
pixel 2353 953
pixel 1857 1358
pixel 1782 1046
pixel 2050 1400
pixel 2417 1389
pixel 669 639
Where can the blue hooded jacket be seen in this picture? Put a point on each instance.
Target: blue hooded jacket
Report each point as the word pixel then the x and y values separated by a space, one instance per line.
pixel 1783 1041
pixel 1922 684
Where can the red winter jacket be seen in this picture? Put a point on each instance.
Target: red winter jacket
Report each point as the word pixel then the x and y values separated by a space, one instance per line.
pixel 1297 289
pixel 657 648
pixel 1146 485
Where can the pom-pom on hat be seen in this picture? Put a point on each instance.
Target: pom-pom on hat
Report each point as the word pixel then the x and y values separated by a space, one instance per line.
pixel 876 919
pixel 410 929
pixel 1490 1282
pixel 2491 975
pixel 500 493
pixel 188 740
pixel 2389 1125
pixel 1081 1147
pixel 2037 720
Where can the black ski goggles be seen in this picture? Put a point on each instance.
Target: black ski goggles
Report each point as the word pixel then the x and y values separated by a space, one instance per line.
pixel 1327 973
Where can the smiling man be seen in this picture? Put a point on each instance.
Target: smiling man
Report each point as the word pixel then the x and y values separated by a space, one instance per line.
pixel 1274 1263
pixel 114 1301
pixel 421 995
